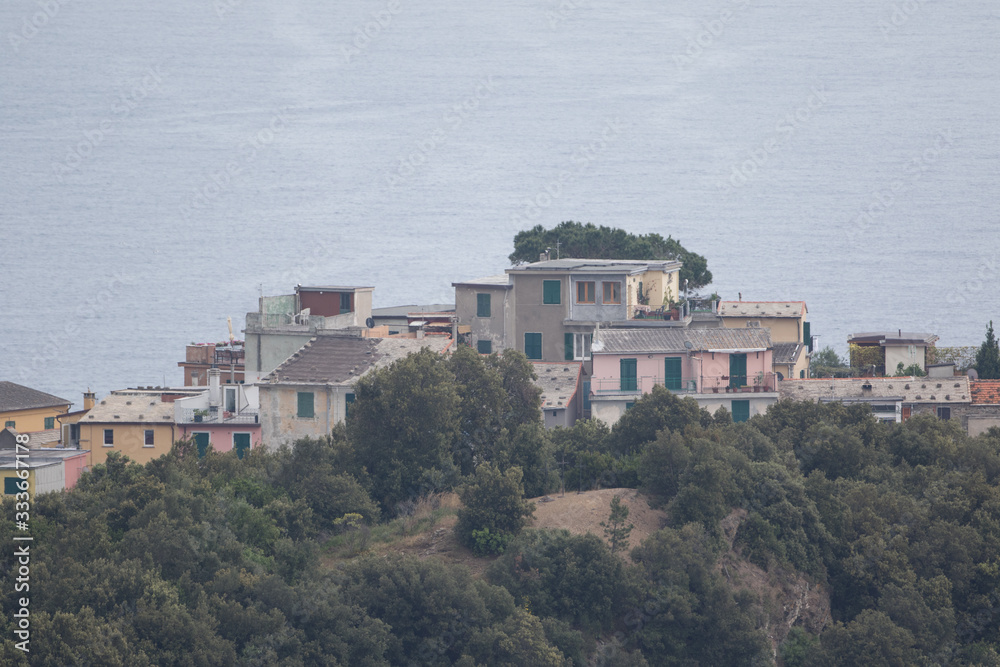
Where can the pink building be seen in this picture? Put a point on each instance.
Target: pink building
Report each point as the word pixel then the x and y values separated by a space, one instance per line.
pixel 730 368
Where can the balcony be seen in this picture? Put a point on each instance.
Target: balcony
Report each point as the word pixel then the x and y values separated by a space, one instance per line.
pixel 196 416
pixel 689 385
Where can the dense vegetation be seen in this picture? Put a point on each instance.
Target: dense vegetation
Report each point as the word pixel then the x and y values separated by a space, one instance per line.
pixel 218 561
pixel 588 241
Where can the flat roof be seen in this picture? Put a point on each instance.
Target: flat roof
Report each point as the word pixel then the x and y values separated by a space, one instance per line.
pixel 598 266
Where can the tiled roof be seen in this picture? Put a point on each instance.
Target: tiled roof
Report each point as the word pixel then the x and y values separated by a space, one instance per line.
pixel 907 389
pixel 558 381
pixel 343 359
pixel 762 308
pixel 130 407
pixel 985 392
pixel 787 353
pixel 893 338
pixel 635 340
pixel 18 397
pixel 489 281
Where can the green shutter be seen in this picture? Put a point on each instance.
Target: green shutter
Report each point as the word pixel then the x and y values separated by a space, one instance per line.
pixel 201 440
pixel 552 291
pixel 586 395
pixel 11 485
pixel 568 344
pixel 741 411
pixel 533 345
pixel 807 336
pixel 348 401
pixel 628 375
pixel 241 443
pixel 672 373
pixel 50 422
pixel 737 370
pixel 484 346
pixel 482 305
pixel 306 408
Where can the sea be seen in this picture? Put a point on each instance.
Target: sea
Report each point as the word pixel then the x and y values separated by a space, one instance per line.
pixel 163 164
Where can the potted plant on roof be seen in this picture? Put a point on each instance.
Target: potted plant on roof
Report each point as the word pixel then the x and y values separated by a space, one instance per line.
pixel 725 383
pixel 199 415
pixel 758 382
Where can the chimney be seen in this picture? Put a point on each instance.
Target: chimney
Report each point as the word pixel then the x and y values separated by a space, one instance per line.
pixel 89 399
pixel 214 387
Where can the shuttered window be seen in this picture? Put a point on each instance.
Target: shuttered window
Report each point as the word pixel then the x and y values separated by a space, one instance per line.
pixel 568 343
pixel 628 375
pixel 672 373
pixel 551 291
pixel 241 444
pixel 737 370
pixel 482 305
pixel 50 422
pixel 741 411
pixel 484 346
pixel 533 345
pixel 201 440
pixel 306 407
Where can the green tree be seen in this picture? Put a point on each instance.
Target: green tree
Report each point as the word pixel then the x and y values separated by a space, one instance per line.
pixel 657 410
pixel 988 357
pixel 587 241
pixel 493 501
pixel 616 530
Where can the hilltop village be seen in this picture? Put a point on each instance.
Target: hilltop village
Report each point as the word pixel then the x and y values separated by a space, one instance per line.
pixel 599 334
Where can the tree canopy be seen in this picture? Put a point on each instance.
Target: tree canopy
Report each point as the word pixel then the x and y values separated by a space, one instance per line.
pixel 588 241
pixel 988 357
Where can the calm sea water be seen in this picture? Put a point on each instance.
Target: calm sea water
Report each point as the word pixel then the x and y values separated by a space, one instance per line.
pixel 162 163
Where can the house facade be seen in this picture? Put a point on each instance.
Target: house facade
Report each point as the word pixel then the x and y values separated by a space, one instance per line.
pixel 25 409
pixel 729 368
pixel 228 357
pixel 893 349
pixel 790 330
pixel 222 418
pixel 483 313
pixel 47 468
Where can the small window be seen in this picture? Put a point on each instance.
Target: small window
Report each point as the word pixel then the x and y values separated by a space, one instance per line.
pixel 306 406
pixel 50 422
pixel 348 402
pixel 241 444
pixel 345 302
pixel 13 485
pixel 9 424
pixel 741 411
pixel 109 436
pixel 533 345
pixel 628 405
pixel 944 413
pixel 484 346
pixel 585 291
pixel 552 291
pixel 230 400
pixel 148 438
pixel 612 293
pixel 581 346
pixel 483 305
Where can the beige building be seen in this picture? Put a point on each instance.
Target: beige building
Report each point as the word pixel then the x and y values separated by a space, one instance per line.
pixel 790 330
pixel 892 398
pixel 26 409
pixel 899 347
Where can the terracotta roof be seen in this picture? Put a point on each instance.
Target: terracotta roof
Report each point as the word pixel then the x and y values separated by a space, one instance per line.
pixel 558 381
pixel 787 353
pixel 617 341
pixel 136 407
pixel 906 389
pixel 985 392
pixel 762 308
pixel 18 397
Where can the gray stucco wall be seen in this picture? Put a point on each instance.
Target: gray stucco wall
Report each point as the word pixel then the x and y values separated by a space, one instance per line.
pixel 493 328
pixel 598 311
pixel 533 316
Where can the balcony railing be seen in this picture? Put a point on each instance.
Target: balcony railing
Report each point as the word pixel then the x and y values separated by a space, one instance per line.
pixel 643 312
pixel 196 416
pixel 704 384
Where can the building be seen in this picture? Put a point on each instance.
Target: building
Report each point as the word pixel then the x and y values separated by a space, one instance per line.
pixel 893 399
pixel 49 468
pixel 729 368
pixel 284 323
pixel 790 330
pixel 984 412
pixel 311 392
pixel 891 350
pixel 136 422
pixel 227 356
pixel 223 417
pixel 483 313
pixel 25 409
pixel 562 396
pixel 396 320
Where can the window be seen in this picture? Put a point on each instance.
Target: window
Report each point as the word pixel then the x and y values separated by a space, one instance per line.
pixel 348 401
pixel 484 346
pixel 741 411
pixel 737 370
pixel 201 441
pixel 628 406
pixel 13 485
pixel 109 436
pixel 551 291
pixel 50 422
pixel 483 305
pixel 241 444
pixel 612 293
pixel 9 424
pixel 628 375
pixel 672 376
pixel 586 395
pixel 345 302
pixel 148 438
pixel 578 346
pixel 306 408
pixel 533 345
pixel 585 291
pixel 944 413
pixel 230 400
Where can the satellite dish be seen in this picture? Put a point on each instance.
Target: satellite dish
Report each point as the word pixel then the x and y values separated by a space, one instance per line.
pixel 370 323
pixel 688 344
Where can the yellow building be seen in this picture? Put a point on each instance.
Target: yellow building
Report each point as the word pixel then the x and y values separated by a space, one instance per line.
pixel 137 423
pixel 25 409
pixel 789 327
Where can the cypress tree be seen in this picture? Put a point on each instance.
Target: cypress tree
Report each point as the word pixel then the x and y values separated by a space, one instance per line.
pixel 988 357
